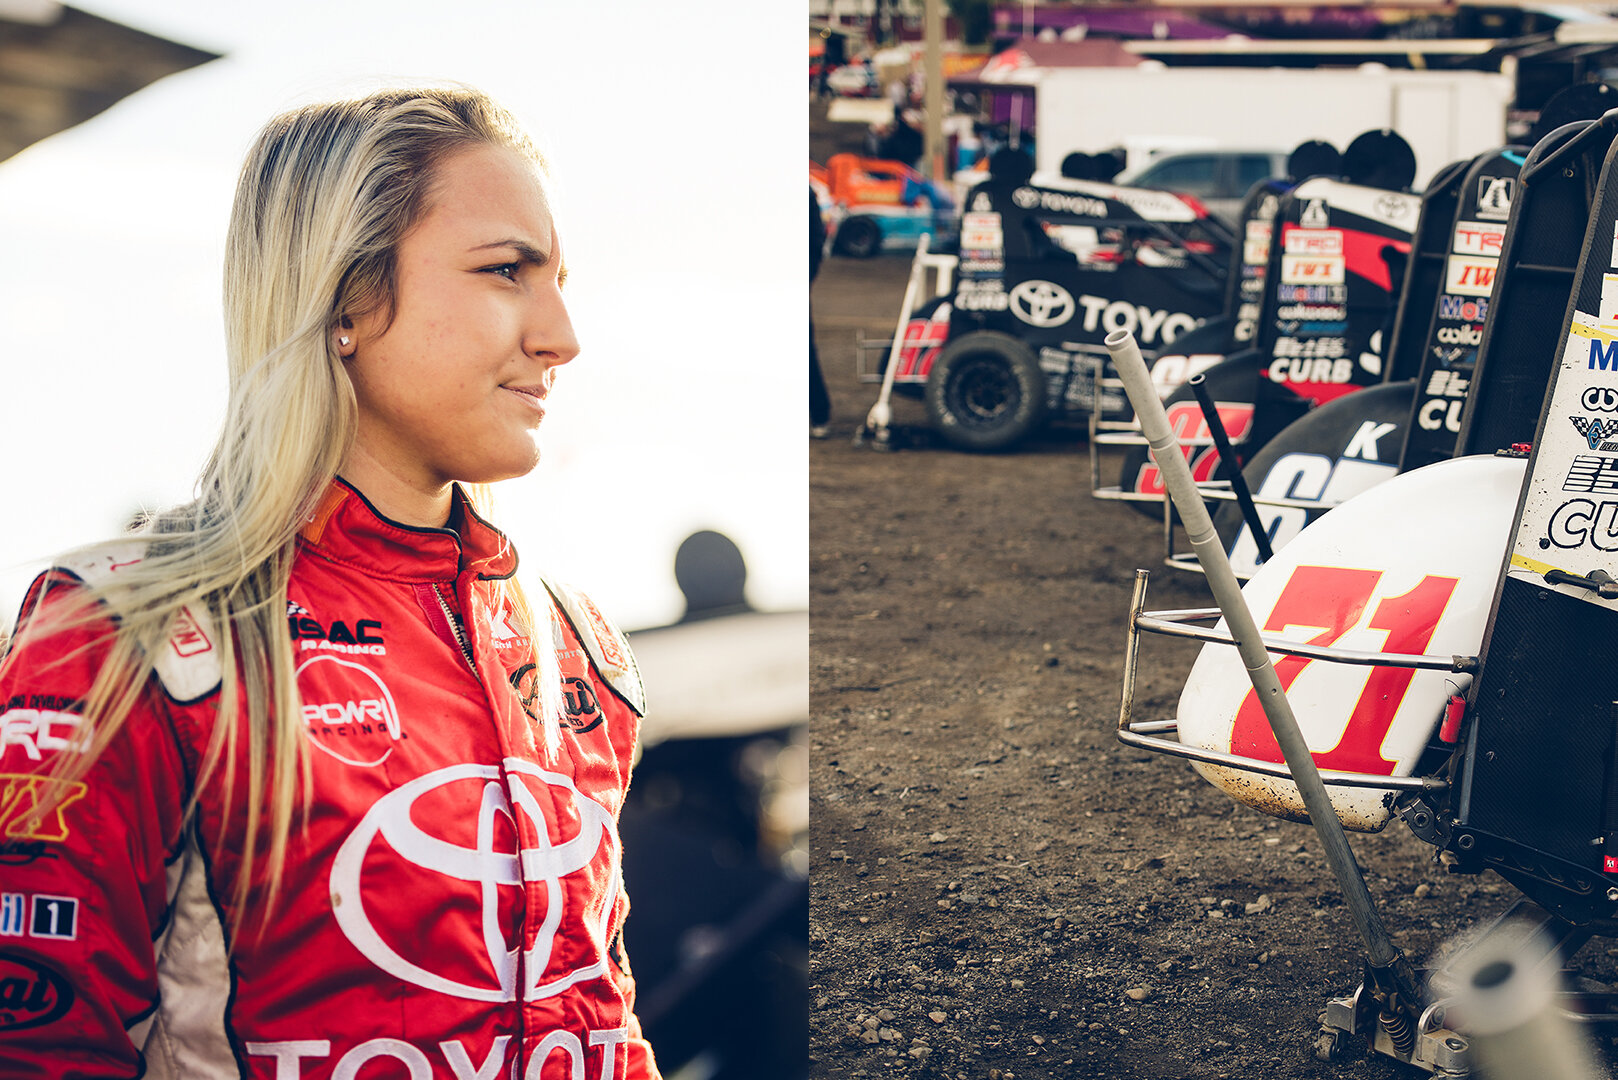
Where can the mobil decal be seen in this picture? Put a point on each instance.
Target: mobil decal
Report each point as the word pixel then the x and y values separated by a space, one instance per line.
pixel 39 915
pixel 1462 308
pixel 1312 294
pixel 1571 458
pixel 1469 275
pixel 1479 238
pixel 1195 437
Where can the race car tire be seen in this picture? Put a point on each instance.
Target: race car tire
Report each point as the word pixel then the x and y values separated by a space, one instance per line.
pixel 985 392
pixel 858 237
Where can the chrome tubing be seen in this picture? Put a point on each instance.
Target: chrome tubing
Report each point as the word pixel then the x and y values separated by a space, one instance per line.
pixel 1227 591
pixel 881 414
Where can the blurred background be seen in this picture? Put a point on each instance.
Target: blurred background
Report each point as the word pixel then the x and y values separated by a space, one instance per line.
pixel 122 127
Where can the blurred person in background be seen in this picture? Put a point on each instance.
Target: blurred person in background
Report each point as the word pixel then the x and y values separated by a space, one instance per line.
pixel 819 399
pixel 298 776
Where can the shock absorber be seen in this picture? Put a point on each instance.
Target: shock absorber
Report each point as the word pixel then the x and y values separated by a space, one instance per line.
pixel 1401 1032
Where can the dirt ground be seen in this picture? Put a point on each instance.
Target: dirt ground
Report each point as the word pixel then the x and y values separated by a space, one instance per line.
pixel 995 879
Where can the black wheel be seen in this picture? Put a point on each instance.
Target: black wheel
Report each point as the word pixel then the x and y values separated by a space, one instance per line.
pixel 985 392
pixel 859 237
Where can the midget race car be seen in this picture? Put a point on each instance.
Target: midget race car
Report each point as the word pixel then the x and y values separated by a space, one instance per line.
pixel 880 205
pixel 1045 271
pixel 1424 652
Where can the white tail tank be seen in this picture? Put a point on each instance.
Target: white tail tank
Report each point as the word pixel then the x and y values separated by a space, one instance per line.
pixel 1410 566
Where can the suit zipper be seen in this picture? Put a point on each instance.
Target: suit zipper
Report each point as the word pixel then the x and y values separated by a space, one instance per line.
pixel 455 628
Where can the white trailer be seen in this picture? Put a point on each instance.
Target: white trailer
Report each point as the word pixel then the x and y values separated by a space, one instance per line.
pixel 1444 115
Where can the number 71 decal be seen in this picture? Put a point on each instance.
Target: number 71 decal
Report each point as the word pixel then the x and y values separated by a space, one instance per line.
pixel 1335 599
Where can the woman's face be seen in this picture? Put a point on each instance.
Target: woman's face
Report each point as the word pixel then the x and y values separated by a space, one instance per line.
pixel 454 387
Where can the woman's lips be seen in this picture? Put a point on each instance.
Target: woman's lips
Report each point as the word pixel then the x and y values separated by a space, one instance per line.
pixel 533 395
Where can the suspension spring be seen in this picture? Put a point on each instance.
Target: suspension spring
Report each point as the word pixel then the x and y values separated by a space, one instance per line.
pixel 1401 1032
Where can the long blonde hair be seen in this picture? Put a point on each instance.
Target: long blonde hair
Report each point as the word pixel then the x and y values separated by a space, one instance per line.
pixel 325 196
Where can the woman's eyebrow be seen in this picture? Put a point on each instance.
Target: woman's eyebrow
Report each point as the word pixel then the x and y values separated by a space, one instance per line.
pixel 525 251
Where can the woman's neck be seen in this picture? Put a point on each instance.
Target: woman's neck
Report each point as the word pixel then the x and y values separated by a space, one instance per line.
pixel 402 499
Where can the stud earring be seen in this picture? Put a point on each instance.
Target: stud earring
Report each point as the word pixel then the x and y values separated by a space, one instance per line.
pixel 343 341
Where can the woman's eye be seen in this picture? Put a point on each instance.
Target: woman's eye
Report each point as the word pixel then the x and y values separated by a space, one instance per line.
pixel 505 270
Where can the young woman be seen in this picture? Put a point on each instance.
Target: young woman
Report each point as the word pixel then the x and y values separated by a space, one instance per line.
pixel 286 787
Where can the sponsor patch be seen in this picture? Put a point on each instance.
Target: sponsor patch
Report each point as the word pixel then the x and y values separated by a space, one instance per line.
pixel 1462 308
pixel 1599 399
pixel 1459 335
pixel 1312 269
pixel 350 715
pixel 1494 197
pixel 1312 294
pixel 1469 275
pixel 1592 474
pixel 187 638
pixel 1479 238
pixel 1151 325
pixel 1059 202
pixel 1450 384
pixel 581 710
pixel 1315 215
pixel 54 917
pixel 981 232
pixel 1598 432
pixel 37 732
pixel 1570 459
pixel 1041 303
pixel 606 637
pixel 1313 241
pixel 981 296
pixel 1291 348
pixel 13 914
pixel 20 800
pixel 32 993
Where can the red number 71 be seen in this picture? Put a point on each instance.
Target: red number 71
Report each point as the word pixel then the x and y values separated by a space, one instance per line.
pixel 1335 598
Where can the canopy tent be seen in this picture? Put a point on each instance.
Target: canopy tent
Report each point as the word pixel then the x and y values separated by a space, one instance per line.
pixel 60 66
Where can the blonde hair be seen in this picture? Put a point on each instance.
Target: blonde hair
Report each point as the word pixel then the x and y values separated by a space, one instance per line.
pixel 325 196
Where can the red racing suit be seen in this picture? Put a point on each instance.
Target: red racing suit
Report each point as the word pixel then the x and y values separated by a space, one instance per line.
pixel 452 907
